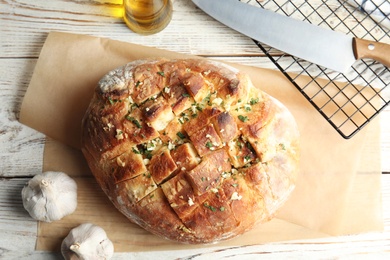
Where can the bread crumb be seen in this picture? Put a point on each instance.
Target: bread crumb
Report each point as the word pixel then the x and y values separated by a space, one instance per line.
pixel 190 202
pixel 120 162
pixel 235 196
pixel 119 134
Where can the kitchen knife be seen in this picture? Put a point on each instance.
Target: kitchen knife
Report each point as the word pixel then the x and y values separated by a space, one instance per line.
pixel 324 47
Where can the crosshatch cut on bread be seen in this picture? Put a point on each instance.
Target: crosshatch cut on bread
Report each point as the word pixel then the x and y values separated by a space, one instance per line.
pixel 189 149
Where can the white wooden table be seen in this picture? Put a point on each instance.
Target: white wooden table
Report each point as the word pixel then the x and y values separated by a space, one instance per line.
pixel 24 25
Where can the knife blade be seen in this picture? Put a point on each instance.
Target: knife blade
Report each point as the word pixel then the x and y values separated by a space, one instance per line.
pixel 327 48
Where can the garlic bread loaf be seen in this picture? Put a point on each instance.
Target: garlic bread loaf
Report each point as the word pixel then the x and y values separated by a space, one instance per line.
pixel 189 149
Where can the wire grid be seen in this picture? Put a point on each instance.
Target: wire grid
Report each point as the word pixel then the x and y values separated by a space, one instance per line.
pixel 347 101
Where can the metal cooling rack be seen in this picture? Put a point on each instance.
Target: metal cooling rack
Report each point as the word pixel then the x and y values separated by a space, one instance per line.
pixel 347 101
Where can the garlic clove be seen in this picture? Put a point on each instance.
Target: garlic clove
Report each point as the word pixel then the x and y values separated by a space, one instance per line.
pixel 87 241
pixel 50 196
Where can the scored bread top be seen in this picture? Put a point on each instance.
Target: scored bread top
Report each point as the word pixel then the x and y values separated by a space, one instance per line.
pixel 189 149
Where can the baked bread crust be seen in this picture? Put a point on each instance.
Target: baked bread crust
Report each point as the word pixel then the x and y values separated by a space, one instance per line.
pixel 189 149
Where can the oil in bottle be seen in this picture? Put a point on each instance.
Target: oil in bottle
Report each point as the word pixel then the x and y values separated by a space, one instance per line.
pixel 147 16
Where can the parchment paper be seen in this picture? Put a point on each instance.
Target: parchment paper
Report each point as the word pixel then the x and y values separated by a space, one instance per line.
pixel 338 190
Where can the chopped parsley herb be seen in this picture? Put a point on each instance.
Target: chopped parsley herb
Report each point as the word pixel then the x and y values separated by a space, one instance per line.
pixel 112 101
pixel 247 157
pixel 254 101
pixel 132 107
pixel 161 73
pixel 207 98
pixel 222 209
pixel 199 108
pixel 142 149
pixel 137 83
pixel 235 184
pixel 185 95
pixel 134 121
pixel 183 118
pixel 202 178
pixel 209 144
pixel 247 108
pixel 148 154
pixel 135 151
pixel 243 118
pixel 282 146
pixel 249 146
pixel 181 135
pixel 213 209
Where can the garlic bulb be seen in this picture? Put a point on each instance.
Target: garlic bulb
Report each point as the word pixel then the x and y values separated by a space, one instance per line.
pixel 50 196
pixel 87 241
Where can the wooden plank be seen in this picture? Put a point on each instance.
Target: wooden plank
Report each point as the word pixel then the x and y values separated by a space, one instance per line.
pixel 24 26
pixel 36 19
pixel 18 234
pixel 17 228
pixel 21 147
pixel 385 139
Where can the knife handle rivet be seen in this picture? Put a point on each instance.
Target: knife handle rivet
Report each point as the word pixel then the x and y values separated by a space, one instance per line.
pixel 371 47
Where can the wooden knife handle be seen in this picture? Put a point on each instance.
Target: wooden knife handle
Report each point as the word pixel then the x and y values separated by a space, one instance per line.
pixel 370 49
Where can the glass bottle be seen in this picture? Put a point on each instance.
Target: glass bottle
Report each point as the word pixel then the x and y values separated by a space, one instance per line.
pixel 147 16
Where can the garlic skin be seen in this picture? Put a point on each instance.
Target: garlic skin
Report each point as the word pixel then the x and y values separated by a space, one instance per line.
pixel 50 196
pixel 87 241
